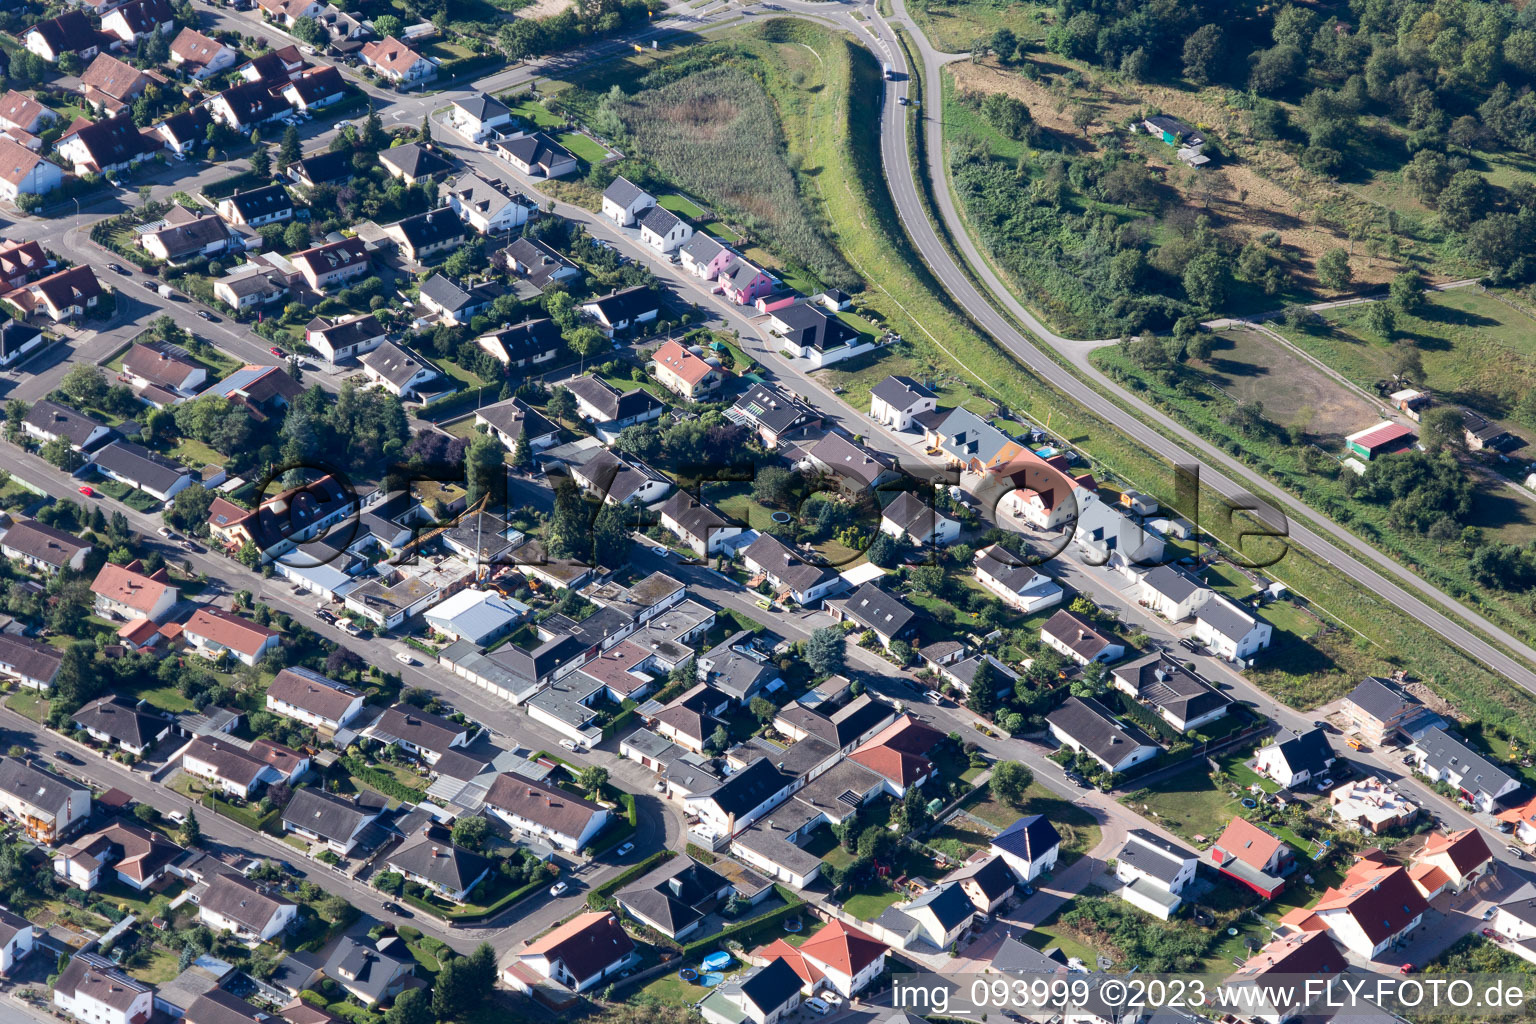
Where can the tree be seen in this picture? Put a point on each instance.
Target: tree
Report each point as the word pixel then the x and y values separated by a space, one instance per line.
pixel 1406 362
pixel 1276 70
pixel 982 697
pixel 825 650
pixel 1440 429
pixel 914 810
pixel 1009 116
pixel 484 467
pixel 719 739
pixel 413 1006
pixel 85 383
pixel 1010 780
pixel 387 25
pixel 296 236
pixel 1205 53
pixel 775 485
pixel 453 989
pixel 261 162
pixel 562 405
pixel 884 551
pixel 1205 280
pixel 1407 292
pixel 610 536
pixel 522 452
pixel 470 831
pixel 289 151
pixel 1333 269
pixel 592 779
pixel 763 709
pixel 1465 199
pixel 586 342
pixel 191 833
pixel 424 133
pixel 1380 320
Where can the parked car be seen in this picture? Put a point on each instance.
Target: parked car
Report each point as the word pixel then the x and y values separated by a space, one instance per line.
pixel 817 1007
pixel 1519 854
pixel 624 850
pixel 559 889
pixel 67 757
pixel 571 745
pixel 404 659
pixel 164 532
pixel 118 268
pixel 89 492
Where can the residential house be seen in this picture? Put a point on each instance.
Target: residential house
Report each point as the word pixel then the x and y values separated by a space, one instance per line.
pixel 855 468
pixel 1087 727
pixel 45 548
pixel 762 995
pixel 578 954
pixel 705 257
pixel 1444 757
pixel 479 616
pixel 163 365
pixel 1371 805
pixel 489 206
pixel 122 722
pixel 215 632
pixel 397 371
pixel 413 162
pixel 48 420
pixel 787 571
pixel 335 822
pixel 1515 922
pixel 17 341
pixel 537 155
pixel 432 860
pixel 125 592
pixel 315 89
pixel 187 236
pixel 247 106
pixel 31 663
pixel 740 667
pixel 264 391
pixel 253 284
pixel 283 521
pixel 509 420
pixel 1306 955
pixel 741 799
pixel 110 145
pixel 546 812
pixel 250 912
pixel 1295 759
pixel 877 610
pixel 1073 636
pixel 65 295
pixel 624 202
pixel 609 409
pixel 536 263
pixel 987 880
pixel 664 230
pixel 322 168
pixel 421 734
pixel 839 957
pixel 908 518
pixel 774 414
pixel 685 373
pixel 70 32
pixel 397 62
pixel 136 856
pixel 1380 711
pixel 1105 537
pixel 1172 594
pixel 48 807
pixel 938 917
pixel 16 940
pixel 91 989
pixel 307 696
pixel 185 132
pixel 1374 908
pixel 451 304
pixel 274 67
pixel 527 344
pixel 809 332
pixel 334 264
pixel 898 402
pixel 1253 856
pixel 339 341
pixel 1154 873
pixel 425 235
pixel 370 975
pixel 110 85
pixel 623 310
pixel 1029 846
pixel 270 204
pixel 898 753
pixel 479 116
pixel 236 770
pixel 742 283
pixel 1229 632
pixel 1175 693
pixel 199 56
pixel 1450 862
pixel 971 444
pixel 20 112
pixel 23 172
pixel 677 905
pixel 139 19
pixel 696 524
pixel 619 481
pixel 1019 586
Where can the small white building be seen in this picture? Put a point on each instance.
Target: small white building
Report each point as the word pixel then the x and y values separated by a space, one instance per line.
pixel 624 202
pixel 898 401
pixel 1229 632
pixel 1154 873
pixel 1172 594
pixel 663 230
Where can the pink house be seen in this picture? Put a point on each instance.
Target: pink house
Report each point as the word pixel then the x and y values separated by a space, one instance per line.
pixel 767 305
pixel 742 283
pixel 704 257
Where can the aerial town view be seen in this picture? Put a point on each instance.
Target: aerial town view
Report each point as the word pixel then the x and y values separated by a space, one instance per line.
pixel 763 511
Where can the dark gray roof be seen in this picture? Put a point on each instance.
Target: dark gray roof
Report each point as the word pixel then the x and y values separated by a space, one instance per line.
pixel 770 987
pixel 812 326
pixel 1172 584
pixel 394 363
pixel 327 816
pixel 445 293
pixel 1305 752
pixel 1153 855
pixel 658 907
pixel 1087 722
pixel 431 228
pixel 623 191
pixel 1382 699
pixel 436 858
pixel 53 418
pixel 900 392
pixel 696 518
pixel 540 263
pixel 37 787
pixel 528 340
pixel 482 107
pixel 1165 683
pixel 261 202
pixel 611 403
pixel 408 724
pixel 738 668
pixel 123 719
pixel 44 543
pixel 915 518
pixel 149 469
pixel 514 416
pixel 774 409
pixel 947 902
pixel 242 901
pixel 966 436
pixel 795 572
pixel 31 658
pixel 876 609
pixel 1226 619
pixel 1030 838
pixel 660 220
pixel 749 787
pixel 993 876
pixel 1444 750
pixel 850 461
pixel 702 248
pixel 965 670
pixel 323 167
pixel 415 160
pixel 1015 957
pixel 536 150
pixel 364 967
pixel 626 304
pixel 1077 633
pixel 1006 567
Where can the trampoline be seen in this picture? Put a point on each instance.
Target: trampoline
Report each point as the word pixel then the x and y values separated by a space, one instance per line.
pixel 717 961
pixel 781 517
pixel 1249 803
pixel 688 974
pixel 793 925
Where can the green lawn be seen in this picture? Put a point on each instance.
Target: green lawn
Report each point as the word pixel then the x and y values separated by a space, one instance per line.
pixel 463 376
pixel 166 698
pixel 670 990
pixel 534 111
pixel 463 427
pixel 28 702
pixel 680 206
pixel 1050 934
pixel 193 453
pixel 871 901
pixel 1187 803
pixel 584 146
pixel 1079 831
pixel 162 967
pixel 735 501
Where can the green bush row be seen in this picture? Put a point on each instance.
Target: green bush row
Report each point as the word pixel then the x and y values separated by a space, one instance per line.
pixel 380 780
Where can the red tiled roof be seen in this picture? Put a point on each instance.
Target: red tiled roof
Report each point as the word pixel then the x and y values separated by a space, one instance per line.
pixel 585 944
pixel 126 585
pixel 1382 899
pixel 682 362
pixel 842 948
pixel 228 629
pixel 778 949
pixel 1467 850
pixel 1243 840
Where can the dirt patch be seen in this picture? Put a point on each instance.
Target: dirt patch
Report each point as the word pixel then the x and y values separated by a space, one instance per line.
pixel 1436 703
pixel 543 8
pixel 1253 191
pixel 1254 368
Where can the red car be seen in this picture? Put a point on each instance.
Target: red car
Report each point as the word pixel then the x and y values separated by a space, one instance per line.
pixel 275 351
pixel 88 492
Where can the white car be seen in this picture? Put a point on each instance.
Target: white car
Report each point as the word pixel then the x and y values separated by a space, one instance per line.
pixel 818 1007
pixel 831 998
pixel 624 850
pixel 164 532
pixel 404 659
pixel 659 552
pixel 349 627
pixel 571 745
pixel 558 889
